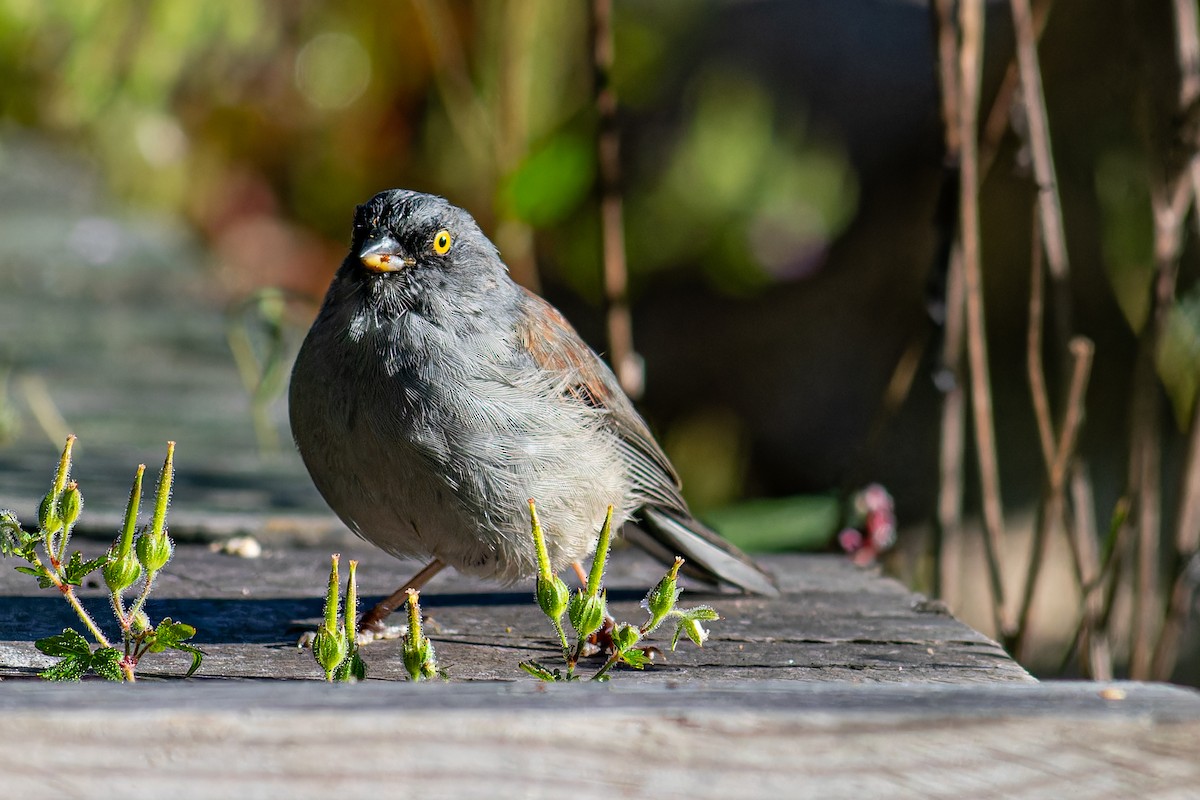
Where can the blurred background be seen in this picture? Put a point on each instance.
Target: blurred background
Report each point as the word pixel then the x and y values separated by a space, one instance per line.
pixel 177 183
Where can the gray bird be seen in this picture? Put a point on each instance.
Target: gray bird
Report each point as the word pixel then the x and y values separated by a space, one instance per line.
pixel 433 396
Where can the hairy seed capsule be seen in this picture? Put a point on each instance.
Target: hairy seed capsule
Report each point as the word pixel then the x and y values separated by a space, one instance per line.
pixel 48 517
pixel 70 503
pixel 121 572
pixel 153 551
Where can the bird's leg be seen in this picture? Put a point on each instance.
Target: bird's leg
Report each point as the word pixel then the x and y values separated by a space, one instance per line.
pixel 580 572
pixel 374 622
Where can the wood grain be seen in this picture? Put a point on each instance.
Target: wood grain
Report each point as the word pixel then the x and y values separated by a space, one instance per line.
pixel 834 622
pixel 698 740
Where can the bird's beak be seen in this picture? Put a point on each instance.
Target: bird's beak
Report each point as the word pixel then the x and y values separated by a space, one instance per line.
pixel 381 253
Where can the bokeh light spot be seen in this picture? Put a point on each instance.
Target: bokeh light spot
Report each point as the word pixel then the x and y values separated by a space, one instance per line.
pixel 332 71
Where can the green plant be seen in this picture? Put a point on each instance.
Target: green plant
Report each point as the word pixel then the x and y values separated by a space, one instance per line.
pixel 126 562
pixel 587 611
pixel 419 660
pixel 335 645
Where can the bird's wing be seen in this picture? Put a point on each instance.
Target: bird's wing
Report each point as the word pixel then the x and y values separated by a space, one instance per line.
pixel 667 527
pixel 556 347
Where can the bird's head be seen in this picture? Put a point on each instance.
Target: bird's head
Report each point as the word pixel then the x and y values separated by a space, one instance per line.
pixel 407 244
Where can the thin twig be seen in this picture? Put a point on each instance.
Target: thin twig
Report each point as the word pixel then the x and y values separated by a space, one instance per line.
pixel 1187 544
pixel 947 54
pixel 947 270
pixel 1187 523
pixel 1033 351
pixel 1144 475
pixel 626 363
pixel 970 69
pixel 1053 501
pixel 1094 641
pixel 953 431
pixel 1171 195
pixel 1079 522
pixel 1166 654
pixel 999 117
pixel 1049 206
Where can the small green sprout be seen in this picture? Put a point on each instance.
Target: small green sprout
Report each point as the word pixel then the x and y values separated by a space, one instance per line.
pixel 587 612
pixel 419 659
pixel 335 646
pixel 57 515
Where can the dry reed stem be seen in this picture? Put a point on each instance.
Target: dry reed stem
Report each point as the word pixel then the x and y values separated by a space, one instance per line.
pixel 953 428
pixel 971 22
pixel 1033 351
pixel 1187 523
pixel 1049 206
pixel 1053 504
pixel 1171 199
pixel 948 526
pixel 625 361
pixel 1098 661
pixel 999 117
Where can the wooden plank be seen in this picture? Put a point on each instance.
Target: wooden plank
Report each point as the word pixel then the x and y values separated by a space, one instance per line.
pixel 700 740
pixel 834 622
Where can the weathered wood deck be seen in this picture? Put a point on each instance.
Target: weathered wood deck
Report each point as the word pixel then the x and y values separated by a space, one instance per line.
pixel 834 622
pixel 846 686
pixel 767 738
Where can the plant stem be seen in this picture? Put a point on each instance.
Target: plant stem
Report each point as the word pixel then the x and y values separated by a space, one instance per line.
pixel 612 661
pixel 626 362
pixel 562 638
pixel 68 592
pixel 142 595
pixel 970 70
pixel 1052 506
pixel 1049 207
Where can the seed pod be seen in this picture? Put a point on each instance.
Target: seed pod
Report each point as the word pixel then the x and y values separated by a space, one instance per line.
pixel 70 503
pixel 586 613
pixel 153 551
pixel 48 517
pixel 552 596
pixel 121 572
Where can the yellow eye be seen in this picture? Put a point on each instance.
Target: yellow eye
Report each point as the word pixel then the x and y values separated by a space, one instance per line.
pixel 441 242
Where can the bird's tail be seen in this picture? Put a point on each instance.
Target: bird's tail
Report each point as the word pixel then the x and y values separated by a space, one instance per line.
pixel 666 534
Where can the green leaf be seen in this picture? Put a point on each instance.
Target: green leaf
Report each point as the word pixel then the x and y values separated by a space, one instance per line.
pixel 1178 357
pixel 77 569
pixel 1126 230
pixel 173 635
pixel 71 668
pixel 197 656
pixel 551 181
pixel 14 540
pixel 169 633
pixel 106 662
pixel 68 643
pixel 635 658
pixel 707 613
pixel 540 672
pixel 43 576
